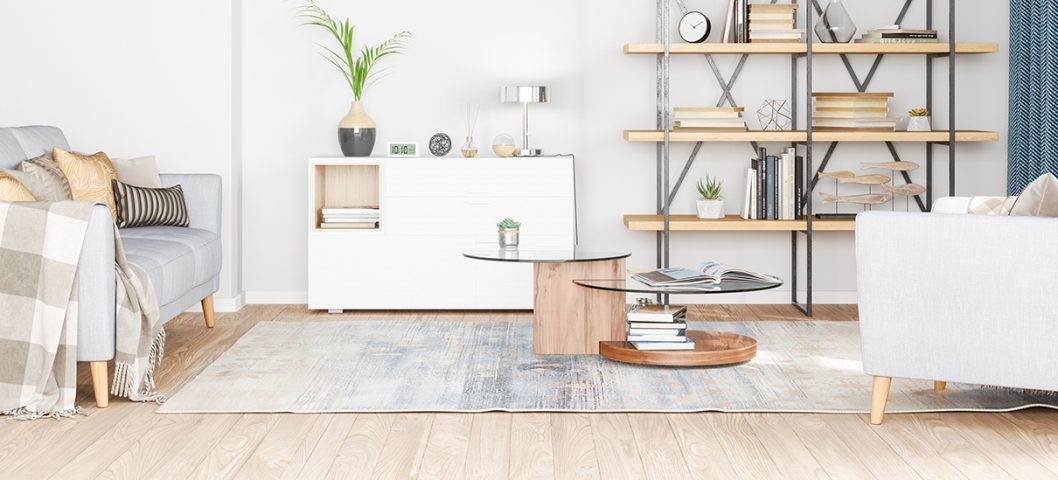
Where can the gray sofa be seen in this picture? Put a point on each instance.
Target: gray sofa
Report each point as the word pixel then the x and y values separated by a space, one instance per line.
pixel 952 297
pixel 183 263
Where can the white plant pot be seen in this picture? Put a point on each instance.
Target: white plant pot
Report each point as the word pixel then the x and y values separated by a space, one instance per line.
pixel 711 209
pixel 918 124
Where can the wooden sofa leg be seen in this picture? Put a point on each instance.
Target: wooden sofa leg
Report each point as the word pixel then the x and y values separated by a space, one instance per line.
pixel 879 397
pixel 207 310
pixel 939 386
pixel 100 384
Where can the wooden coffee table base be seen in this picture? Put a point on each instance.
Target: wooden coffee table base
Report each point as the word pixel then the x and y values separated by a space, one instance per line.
pixel 569 319
pixel 711 349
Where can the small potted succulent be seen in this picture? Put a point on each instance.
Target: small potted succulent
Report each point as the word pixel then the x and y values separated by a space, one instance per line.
pixel 711 204
pixel 508 229
pixel 918 120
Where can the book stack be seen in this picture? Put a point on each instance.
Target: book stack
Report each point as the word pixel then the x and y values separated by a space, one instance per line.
pixel 852 112
pixel 773 23
pixel 774 187
pixel 659 327
pixel 895 34
pixel 718 119
pixel 349 217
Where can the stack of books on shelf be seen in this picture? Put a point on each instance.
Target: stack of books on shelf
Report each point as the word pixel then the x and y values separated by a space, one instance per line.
pixel 773 23
pixel 349 217
pixel 657 327
pixel 895 34
pixel 717 119
pixel 866 112
pixel 774 187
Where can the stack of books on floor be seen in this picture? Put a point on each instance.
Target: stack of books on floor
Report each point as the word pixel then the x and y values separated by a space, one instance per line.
pixel 895 34
pixel 716 119
pixel 841 111
pixel 349 217
pixel 774 187
pixel 657 327
pixel 773 23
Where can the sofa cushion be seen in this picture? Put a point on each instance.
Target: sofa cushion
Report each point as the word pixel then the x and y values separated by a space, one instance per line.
pixel 91 177
pixel 176 258
pixel 45 179
pixel 20 143
pixel 1039 198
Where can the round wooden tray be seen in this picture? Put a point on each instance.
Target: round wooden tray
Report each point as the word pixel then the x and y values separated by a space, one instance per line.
pixel 710 349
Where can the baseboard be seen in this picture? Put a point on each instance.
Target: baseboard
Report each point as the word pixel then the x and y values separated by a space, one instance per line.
pixel 766 297
pixel 230 304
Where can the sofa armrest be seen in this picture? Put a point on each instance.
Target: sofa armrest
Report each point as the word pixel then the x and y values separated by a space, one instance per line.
pixel 202 192
pixel 95 289
pixel 956 205
pixel 961 298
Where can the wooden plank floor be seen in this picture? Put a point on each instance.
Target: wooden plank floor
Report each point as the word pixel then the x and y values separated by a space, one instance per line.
pixel 127 440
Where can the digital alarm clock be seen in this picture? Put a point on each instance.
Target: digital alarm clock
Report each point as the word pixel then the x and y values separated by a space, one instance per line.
pixel 403 149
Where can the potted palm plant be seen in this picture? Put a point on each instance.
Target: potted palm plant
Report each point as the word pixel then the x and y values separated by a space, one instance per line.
pixel 711 204
pixel 356 131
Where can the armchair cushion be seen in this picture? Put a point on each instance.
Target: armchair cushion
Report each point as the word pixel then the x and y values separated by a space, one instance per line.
pixel 177 259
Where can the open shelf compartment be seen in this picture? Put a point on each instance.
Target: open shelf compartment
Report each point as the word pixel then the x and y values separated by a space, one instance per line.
pixel 346 185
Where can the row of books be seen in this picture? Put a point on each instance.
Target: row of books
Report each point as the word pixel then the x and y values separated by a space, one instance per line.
pixel 349 217
pixel 657 328
pixel 852 111
pixel 895 34
pixel 773 23
pixel 774 187
pixel 709 118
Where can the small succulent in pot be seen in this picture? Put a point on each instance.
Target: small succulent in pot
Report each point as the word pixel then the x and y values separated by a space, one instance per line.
pixel 918 120
pixel 711 204
pixel 508 231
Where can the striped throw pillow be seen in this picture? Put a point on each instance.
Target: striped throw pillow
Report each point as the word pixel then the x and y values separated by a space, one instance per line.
pixel 147 207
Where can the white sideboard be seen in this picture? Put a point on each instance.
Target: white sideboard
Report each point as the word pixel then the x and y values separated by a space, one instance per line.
pixel 430 211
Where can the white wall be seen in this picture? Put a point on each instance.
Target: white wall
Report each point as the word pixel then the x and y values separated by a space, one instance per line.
pixel 129 78
pixel 463 51
pixel 132 78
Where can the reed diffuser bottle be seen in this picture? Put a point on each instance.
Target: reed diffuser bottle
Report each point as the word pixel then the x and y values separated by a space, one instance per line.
pixel 469 149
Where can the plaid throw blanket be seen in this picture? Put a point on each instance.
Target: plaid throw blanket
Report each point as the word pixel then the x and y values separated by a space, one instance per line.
pixel 40 247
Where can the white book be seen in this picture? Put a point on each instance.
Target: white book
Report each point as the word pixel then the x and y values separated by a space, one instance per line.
pixel 636 332
pixel 658 313
pixel 657 338
pixel 747 200
pixel 657 325
pixel 656 346
pixel 787 186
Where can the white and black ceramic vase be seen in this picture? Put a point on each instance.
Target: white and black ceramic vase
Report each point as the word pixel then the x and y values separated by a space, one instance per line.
pixel 356 132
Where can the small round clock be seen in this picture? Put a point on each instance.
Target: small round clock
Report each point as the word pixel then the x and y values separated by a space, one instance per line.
pixel 440 144
pixel 695 27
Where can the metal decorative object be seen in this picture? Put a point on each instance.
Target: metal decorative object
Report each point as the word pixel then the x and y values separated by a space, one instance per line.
pixel 774 115
pixel 440 144
pixel 526 95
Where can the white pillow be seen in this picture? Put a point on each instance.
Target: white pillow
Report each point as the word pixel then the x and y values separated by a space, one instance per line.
pixel 139 172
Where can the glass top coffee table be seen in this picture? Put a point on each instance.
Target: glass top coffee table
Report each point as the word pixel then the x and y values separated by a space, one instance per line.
pixel 569 319
pixel 711 349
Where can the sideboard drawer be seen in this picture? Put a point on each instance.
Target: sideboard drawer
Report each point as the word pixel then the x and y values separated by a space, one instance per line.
pixel 518 177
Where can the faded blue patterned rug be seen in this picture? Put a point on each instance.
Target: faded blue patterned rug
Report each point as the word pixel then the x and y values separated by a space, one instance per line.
pixel 474 366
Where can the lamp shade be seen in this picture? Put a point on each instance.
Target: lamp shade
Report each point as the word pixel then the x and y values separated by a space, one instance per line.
pixel 525 94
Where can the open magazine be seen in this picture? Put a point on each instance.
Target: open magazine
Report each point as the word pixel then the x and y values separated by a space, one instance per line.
pixel 706 275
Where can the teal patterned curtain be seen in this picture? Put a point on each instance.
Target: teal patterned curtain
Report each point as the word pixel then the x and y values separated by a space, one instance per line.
pixel 1033 122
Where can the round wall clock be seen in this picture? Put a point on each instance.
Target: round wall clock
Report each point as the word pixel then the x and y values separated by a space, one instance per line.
pixel 695 27
pixel 440 144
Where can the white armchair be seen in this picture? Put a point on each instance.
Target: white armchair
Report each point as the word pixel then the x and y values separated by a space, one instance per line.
pixel 957 298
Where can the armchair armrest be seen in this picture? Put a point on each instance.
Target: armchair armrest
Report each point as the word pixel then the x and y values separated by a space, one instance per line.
pixel 202 192
pixel 961 298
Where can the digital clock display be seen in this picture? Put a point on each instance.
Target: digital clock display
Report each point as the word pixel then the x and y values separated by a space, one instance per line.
pixel 403 149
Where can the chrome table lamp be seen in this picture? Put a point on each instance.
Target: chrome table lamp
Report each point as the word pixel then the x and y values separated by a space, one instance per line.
pixel 525 95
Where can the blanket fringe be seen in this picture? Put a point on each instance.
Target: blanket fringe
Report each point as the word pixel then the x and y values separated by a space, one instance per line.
pixel 23 413
pixel 126 375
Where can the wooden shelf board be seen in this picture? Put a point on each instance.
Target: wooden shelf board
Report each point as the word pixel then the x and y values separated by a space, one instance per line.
pixel 732 223
pixel 817 48
pixel 801 136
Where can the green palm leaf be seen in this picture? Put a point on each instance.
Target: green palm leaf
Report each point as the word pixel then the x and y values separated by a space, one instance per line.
pixel 357 71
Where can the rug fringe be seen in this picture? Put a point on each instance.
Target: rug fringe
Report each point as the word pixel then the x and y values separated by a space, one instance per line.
pixel 23 413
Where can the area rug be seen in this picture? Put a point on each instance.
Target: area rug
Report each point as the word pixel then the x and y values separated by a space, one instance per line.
pixel 476 366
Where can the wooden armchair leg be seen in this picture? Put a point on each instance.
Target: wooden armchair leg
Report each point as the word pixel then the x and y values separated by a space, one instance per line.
pixel 207 310
pixel 100 383
pixel 939 386
pixel 879 397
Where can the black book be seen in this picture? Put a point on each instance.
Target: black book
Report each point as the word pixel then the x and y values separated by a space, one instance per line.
pixel 755 204
pixel 762 174
pixel 773 187
pixel 799 182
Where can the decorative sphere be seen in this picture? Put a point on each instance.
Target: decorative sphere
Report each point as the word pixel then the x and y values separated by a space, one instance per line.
pixel 503 145
pixel 440 144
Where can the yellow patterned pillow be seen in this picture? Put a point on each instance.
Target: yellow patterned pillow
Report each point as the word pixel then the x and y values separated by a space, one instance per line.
pixel 12 190
pixel 91 176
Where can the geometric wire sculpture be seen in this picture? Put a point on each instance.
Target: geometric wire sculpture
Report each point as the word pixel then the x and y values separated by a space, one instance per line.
pixel 774 115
